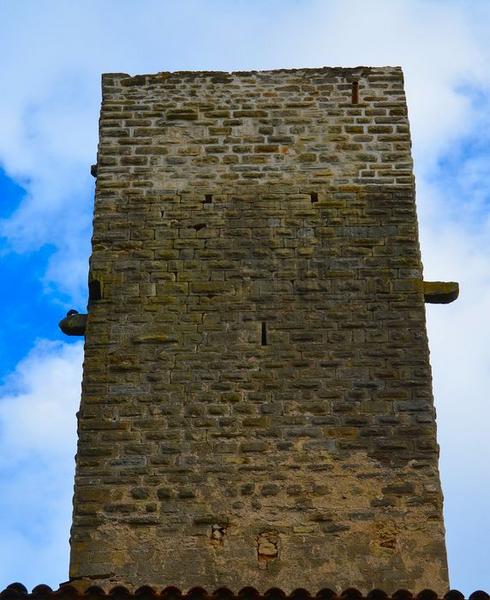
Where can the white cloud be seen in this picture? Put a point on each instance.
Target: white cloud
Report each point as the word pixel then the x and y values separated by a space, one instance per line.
pixel 37 445
pixel 37 402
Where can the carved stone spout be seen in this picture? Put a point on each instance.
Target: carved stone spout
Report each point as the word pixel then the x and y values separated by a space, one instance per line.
pixel 74 323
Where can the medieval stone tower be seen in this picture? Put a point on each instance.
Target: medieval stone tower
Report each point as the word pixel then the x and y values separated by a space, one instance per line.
pixel 257 406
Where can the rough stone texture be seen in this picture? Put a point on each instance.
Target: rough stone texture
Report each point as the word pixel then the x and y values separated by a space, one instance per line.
pixel 440 292
pixel 257 405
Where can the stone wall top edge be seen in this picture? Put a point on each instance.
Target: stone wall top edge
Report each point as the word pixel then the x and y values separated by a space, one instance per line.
pixel 338 71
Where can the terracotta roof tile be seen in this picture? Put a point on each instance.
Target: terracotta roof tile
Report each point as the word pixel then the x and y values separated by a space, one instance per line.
pixel 17 591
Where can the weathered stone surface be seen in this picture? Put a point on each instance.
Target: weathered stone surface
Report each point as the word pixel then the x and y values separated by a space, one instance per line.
pixel 74 323
pixel 257 405
pixel 440 292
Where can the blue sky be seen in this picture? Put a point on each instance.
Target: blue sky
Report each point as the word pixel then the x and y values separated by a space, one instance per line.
pixel 52 54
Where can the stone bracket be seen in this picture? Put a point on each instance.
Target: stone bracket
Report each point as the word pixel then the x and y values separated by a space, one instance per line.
pixel 440 292
pixel 74 323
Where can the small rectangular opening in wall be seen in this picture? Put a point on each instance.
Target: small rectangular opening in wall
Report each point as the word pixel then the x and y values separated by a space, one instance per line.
pixel 94 291
pixel 264 334
pixel 208 198
pixel 355 92
pixel 314 197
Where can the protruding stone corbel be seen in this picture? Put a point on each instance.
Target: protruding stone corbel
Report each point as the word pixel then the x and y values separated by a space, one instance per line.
pixel 74 323
pixel 440 292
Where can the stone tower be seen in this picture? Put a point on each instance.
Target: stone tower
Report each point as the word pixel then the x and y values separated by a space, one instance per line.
pixel 257 406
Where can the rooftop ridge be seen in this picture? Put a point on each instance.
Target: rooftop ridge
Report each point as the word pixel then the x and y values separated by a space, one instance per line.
pixel 17 591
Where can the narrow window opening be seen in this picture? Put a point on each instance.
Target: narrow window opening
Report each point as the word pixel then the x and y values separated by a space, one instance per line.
pixel 208 198
pixel 94 291
pixel 264 334
pixel 314 197
pixel 355 92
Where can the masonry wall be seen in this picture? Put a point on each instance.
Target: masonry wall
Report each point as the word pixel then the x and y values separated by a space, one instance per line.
pixel 257 405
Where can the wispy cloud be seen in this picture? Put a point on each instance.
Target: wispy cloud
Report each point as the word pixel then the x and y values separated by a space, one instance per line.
pixel 37 444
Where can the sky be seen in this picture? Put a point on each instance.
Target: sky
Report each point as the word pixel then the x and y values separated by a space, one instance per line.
pixel 52 54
